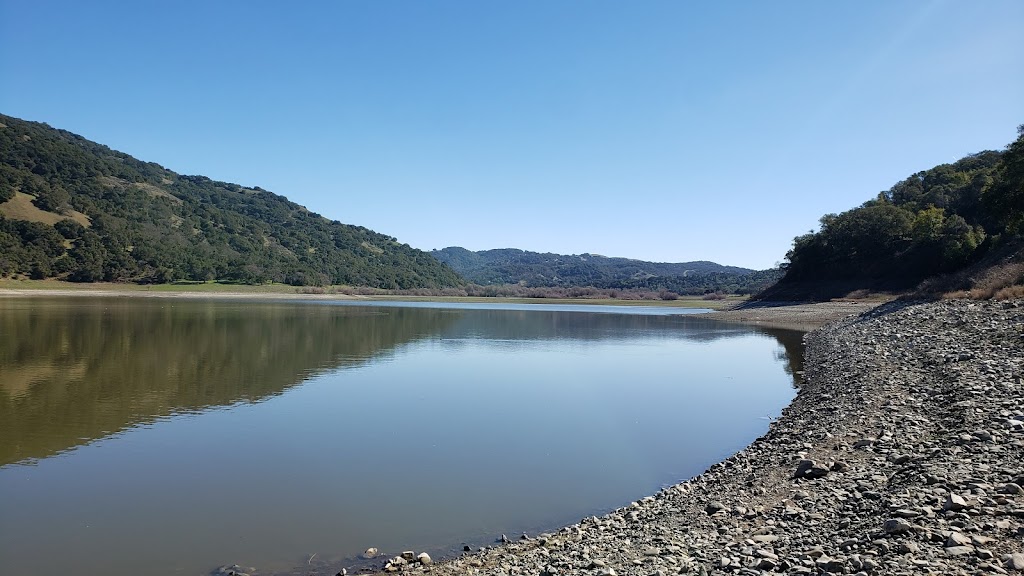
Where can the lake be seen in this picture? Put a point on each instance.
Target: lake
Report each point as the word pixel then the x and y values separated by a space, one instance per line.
pixel 171 436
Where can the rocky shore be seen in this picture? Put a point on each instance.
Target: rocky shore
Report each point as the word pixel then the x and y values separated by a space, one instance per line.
pixel 903 453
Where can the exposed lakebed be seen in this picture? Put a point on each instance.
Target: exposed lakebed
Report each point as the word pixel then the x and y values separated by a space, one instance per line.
pixel 175 436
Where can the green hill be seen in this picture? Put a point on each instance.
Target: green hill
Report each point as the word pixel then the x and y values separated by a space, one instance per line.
pixel 75 209
pixel 512 266
pixel 953 220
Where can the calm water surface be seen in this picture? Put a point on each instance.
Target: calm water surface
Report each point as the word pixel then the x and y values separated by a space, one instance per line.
pixel 170 437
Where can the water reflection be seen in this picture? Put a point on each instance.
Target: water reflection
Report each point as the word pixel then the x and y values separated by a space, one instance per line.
pixel 72 371
pixel 178 435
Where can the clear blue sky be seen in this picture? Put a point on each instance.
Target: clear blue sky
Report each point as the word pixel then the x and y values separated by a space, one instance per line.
pixel 666 131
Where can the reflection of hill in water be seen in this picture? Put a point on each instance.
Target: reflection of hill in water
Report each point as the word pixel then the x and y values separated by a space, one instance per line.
pixel 545 325
pixel 542 325
pixel 72 371
pixel 75 370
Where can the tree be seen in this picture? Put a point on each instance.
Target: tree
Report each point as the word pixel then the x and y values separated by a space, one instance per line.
pixel 69 229
pixel 1004 200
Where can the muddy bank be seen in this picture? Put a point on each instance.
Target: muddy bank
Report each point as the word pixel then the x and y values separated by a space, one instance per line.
pixel 903 453
pixel 793 315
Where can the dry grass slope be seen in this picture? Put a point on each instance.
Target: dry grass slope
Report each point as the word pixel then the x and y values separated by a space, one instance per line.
pixel 21 208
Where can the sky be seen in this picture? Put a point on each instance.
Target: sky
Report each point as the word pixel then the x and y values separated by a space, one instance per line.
pixel 667 131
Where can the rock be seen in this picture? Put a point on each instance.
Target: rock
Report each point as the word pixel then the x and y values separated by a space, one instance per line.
pixel 408 555
pixel 802 467
pixel 899 458
pixel 424 559
pixel 906 513
pixel 235 570
pixel 958 550
pixel 1011 488
pixel 957 539
pixel 909 548
pixel 714 507
pixel 978 540
pixel 897 526
pixel 1015 561
pixel 983 435
pixel 830 565
pixel 809 469
pixel 954 502
pixel 370 553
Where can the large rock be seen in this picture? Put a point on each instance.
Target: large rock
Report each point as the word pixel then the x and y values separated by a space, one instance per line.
pixel 957 539
pixel 897 526
pixel 954 502
pixel 809 469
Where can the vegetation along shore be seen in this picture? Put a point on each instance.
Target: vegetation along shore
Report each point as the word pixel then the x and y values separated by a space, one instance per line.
pixel 56 288
pixel 903 453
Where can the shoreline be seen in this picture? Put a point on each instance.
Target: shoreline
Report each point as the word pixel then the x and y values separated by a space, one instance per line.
pixel 232 292
pixel 902 453
pixel 801 316
pixel 183 294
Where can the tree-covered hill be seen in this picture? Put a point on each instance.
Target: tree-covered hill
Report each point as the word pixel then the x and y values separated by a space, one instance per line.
pixel 938 221
pixel 75 209
pixel 512 266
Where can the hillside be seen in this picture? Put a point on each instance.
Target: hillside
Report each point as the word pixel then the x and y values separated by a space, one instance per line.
pixel 512 266
pixel 953 221
pixel 75 209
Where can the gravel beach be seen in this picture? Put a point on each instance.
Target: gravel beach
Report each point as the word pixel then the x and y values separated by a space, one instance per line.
pixel 903 453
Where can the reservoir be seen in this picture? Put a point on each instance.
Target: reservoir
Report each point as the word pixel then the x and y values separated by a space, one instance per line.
pixel 173 436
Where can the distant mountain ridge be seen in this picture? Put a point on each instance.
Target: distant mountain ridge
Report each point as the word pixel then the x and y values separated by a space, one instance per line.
pixel 514 266
pixel 74 209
